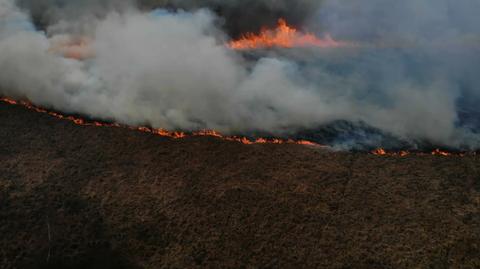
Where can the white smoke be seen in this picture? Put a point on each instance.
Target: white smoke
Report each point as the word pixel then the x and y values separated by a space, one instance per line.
pixel 173 70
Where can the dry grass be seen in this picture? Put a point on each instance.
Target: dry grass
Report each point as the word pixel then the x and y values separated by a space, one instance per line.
pixel 116 198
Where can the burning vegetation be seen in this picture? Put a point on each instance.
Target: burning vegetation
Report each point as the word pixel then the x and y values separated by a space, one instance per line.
pixel 111 197
pixel 284 36
pixel 147 64
pixel 78 48
pixel 160 132
pixel 435 152
pixel 343 111
pixel 212 133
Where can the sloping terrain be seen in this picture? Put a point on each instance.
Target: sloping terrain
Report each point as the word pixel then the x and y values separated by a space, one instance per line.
pixel 91 197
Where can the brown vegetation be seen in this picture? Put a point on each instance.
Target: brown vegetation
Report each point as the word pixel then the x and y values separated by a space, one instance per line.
pixel 96 197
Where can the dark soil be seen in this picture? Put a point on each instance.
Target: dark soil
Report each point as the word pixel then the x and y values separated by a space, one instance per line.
pixel 95 197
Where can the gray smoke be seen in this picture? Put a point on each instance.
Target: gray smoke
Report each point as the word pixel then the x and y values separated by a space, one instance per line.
pixel 422 52
pixel 171 69
pixel 242 16
pixel 408 21
pixel 48 12
pixel 237 16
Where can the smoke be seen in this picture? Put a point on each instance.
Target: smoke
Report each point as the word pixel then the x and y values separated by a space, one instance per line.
pixel 411 79
pixel 409 21
pixel 237 16
pixel 71 15
pixel 241 16
pixel 421 58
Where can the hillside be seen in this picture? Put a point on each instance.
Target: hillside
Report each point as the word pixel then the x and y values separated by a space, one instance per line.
pixel 95 197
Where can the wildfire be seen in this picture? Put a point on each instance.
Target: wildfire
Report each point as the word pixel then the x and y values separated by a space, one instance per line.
pixel 379 152
pixel 78 48
pixel 403 153
pixel 441 153
pixel 283 36
pixel 210 133
pixel 160 132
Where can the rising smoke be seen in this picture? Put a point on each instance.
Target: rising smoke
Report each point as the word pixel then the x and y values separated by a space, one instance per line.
pixel 237 16
pixel 412 75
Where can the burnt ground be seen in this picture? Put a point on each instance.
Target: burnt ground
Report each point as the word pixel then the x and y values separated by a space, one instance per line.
pixel 92 197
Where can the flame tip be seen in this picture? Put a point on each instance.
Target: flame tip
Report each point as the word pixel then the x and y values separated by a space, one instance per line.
pixel 211 133
pixel 282 36
pixel 155 131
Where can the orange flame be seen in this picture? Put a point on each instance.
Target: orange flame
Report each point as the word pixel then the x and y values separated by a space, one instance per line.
pixel 379 152
pixel 283 36
pixel 78 48
pixel 210 133
pixel 403 153
pixel 159 132
pixel 438 152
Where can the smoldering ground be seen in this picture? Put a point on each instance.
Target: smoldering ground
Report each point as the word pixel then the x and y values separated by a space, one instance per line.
pixel 411 77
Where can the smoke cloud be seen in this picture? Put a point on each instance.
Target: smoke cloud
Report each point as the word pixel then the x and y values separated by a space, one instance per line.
pixel 411 77
pixel 237 16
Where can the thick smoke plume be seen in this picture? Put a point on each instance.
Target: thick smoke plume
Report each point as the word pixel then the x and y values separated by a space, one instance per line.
pixel 237 16
pixel 411 76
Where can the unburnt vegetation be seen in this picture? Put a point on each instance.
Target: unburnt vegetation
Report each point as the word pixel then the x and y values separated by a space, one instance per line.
pixel 91 197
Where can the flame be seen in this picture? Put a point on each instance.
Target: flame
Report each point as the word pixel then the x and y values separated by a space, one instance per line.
pixel 436 152
pixel 159 132
pixel 78 48
pixel 283 36
pixel 210 133
pixel 379 152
